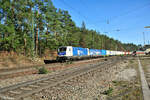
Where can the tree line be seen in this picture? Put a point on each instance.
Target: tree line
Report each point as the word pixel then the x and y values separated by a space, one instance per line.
pixel 32 26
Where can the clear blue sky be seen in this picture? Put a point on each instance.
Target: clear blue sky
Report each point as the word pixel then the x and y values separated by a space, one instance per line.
pixel 128 16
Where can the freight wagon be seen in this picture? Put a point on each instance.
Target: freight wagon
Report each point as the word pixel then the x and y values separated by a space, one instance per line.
pixel 138 53
pixel 147 51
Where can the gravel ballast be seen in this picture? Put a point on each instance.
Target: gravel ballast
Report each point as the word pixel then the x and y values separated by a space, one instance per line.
pixel 92 87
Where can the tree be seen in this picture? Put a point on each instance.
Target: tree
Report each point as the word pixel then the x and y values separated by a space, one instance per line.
pixel 28 26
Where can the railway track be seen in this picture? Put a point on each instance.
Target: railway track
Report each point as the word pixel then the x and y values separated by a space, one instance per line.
pixel 20 91
pixel 19 71
pixel 15 72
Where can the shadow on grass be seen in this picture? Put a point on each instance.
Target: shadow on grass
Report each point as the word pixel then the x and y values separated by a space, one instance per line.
pixel 50 61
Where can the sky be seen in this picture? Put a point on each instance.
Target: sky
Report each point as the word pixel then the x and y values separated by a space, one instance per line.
pixel 123 20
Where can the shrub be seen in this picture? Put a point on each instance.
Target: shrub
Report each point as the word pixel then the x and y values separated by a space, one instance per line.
pixel 69 62
pixel 43 70
pixel 131 61
pixel 108 92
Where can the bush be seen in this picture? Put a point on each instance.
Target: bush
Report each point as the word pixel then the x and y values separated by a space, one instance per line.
pixel 43 70
pixel 131 61
pixel 108 92
pixel 69 62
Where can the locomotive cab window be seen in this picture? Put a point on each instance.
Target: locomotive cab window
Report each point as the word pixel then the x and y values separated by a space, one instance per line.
pixel 62 49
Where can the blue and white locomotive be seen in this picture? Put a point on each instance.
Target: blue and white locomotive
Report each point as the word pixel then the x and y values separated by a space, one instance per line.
pixel 70 53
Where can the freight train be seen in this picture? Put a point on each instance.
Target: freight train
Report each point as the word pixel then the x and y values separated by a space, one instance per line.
pixel 74 53
pixel 147 51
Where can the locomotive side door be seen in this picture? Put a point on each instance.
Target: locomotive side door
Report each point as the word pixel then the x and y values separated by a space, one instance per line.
pixel 69 51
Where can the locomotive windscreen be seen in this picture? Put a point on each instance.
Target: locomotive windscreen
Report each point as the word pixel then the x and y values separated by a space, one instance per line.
pixel 62 49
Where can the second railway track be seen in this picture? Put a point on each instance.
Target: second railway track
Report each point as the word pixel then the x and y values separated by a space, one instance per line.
pixel 19 91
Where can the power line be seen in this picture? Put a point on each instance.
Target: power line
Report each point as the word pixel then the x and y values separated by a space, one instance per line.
pixel 84 4
pixel 75 10
pixel 62 1
pixel 107 21
pixel 144 38
pixel 124 14
pixel 131 11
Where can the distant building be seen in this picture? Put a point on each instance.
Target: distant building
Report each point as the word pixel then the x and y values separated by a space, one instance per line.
pixel 146 46
pixel 147 49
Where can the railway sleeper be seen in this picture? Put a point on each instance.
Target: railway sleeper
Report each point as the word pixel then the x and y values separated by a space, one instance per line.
pixel 26 88
pixel 15 92
pixel 34 86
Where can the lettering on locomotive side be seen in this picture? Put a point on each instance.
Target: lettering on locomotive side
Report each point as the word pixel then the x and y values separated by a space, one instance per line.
pixel 80 52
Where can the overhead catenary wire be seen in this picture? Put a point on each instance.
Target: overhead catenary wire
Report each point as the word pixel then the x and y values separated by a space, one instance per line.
pixel 72 8
pixel 106 21
pixel 131 11
pixel 76 11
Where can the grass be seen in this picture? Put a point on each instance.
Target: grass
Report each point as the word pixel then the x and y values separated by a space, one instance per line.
pixel 121 87
pixel 131 61
pixel 145 63
pixel 134 95
pixel 120 83
pixel 69 62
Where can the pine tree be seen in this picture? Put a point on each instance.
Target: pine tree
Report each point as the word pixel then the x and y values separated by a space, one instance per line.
pixel 28 26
